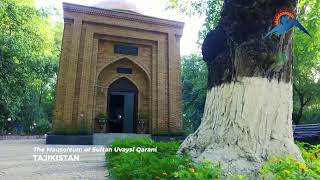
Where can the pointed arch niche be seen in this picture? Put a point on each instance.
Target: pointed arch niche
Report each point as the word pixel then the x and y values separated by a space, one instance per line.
pixel 112 82
pixel 103 46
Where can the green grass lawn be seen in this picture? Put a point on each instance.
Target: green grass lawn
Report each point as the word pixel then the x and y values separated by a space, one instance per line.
pixel 165 164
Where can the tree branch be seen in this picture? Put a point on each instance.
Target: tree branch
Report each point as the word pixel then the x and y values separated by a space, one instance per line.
pixel 307 101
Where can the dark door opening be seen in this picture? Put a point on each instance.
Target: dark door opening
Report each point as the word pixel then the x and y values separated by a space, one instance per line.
pixel 122 106
pixel 116 112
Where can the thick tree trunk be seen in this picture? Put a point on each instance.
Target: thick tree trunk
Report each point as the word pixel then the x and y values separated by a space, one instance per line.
pixel 247 118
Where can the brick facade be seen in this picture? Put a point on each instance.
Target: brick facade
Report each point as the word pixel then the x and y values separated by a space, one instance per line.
pixel 88 66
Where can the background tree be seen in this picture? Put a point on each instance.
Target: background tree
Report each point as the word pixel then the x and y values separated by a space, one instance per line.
pixel 209 8
pixel 307 64
pixel 194 88
pixel 28 64
pixel 194 70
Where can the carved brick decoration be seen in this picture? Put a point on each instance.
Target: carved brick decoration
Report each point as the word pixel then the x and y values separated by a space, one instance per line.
pixel 88 66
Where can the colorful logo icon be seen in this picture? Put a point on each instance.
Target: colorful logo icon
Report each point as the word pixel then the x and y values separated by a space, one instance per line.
pixel 283 21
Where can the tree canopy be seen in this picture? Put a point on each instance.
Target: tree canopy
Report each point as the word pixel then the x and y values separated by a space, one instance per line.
pixel 28 63
pixel 307 64
pixel 194 90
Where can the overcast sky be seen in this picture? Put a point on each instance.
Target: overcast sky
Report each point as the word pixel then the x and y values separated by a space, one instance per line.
pixel 157 9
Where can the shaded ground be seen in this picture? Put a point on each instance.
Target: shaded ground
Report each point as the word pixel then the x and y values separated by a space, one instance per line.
pixel 17 163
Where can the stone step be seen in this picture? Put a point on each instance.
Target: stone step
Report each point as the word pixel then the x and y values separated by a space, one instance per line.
pixel 107 138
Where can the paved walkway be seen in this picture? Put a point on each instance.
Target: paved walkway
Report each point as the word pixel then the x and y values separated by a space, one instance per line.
pixel 17 163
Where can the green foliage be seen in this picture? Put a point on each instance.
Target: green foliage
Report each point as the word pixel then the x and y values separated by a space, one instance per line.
pixel 311 114
pixel 286 168
pixel 307 64
pixel 311 155
pixel 41 126
pixel 28 64
pixel 134 165
pixel 164 164
pixel 212 17
pixel 199 171
pixel 211 9
pixel 194 90
pixel 30 112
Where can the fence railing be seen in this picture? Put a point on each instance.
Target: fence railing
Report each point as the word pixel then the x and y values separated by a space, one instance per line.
pixel 307 132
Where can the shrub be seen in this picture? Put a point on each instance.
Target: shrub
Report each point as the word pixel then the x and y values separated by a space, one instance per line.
pixel 288 168
pixel 163 164
pixel 199 171
pixel 135 165
pixel 311 155
pixel 43 126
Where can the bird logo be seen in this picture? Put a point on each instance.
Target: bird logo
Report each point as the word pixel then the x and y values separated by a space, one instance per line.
pixel 283 21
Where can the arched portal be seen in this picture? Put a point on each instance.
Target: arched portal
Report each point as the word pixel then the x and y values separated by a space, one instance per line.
pixel 122 106
pixel 117 90
pixel 143 49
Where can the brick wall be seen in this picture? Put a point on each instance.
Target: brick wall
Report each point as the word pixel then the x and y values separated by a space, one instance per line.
pixel 88 67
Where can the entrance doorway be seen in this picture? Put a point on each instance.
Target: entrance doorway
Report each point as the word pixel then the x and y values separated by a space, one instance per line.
pixel 116 112
pixel 122 102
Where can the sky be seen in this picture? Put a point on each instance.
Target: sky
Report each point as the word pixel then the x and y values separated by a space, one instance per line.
pixel 157 9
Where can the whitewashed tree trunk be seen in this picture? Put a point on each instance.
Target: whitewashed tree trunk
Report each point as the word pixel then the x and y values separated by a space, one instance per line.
pixel 248 111
pixel 244 124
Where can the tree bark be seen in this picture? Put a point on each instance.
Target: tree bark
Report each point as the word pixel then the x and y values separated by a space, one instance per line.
pixel 248 111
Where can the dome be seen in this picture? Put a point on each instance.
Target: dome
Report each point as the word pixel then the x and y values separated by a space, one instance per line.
pixel 123 5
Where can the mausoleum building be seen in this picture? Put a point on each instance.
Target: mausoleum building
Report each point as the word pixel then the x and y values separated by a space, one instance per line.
pixel 119 64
